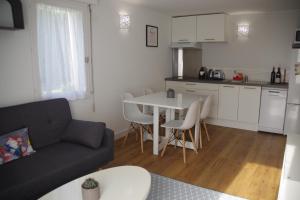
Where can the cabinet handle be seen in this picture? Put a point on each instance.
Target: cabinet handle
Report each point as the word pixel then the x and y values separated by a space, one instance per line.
pixel 228 86
pixel 183 40
pixel 190 84
pixel 250 88
pixel 190 90
pixel 209 39
pixel 276 92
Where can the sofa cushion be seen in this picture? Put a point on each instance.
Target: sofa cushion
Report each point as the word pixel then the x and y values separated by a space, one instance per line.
pixel 85 133
pixel 46 120
pixel 15 145
pixel 49 167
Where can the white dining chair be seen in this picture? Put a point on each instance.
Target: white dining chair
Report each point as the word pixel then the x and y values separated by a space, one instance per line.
pixel 182 126
pixel 204 112
pixel 149 109
pixel 132 114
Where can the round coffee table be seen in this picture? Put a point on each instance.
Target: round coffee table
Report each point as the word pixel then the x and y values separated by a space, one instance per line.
pixel 124 182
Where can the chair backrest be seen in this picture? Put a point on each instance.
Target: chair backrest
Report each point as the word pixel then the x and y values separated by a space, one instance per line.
pixel 206 107
pixel 130 110
pixel 192 116
pixel 148 91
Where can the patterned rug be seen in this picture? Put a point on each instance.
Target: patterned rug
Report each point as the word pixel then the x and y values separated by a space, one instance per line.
pixel 163 188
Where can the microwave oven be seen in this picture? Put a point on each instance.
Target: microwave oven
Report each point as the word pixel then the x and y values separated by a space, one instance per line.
pixel 297 37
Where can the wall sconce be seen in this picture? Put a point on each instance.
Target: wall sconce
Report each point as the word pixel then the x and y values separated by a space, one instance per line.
pixel 124 22
pixel 243 30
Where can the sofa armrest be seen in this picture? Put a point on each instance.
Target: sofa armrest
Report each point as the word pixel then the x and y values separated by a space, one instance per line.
pixel 109 142
pixel 109 138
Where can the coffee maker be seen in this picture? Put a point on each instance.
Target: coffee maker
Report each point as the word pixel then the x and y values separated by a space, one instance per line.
pixel 203 73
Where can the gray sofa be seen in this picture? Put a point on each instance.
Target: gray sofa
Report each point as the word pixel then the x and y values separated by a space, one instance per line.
pixel 57 160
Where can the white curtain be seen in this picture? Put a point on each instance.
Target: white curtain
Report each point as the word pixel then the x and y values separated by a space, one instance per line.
pixel 61 52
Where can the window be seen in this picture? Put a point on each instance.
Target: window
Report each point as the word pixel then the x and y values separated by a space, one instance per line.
pixel 61 52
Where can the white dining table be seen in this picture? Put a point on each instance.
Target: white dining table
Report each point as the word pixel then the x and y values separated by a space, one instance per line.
pixel 159 100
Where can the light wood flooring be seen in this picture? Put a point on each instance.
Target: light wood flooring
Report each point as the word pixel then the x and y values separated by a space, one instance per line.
pixel 238 162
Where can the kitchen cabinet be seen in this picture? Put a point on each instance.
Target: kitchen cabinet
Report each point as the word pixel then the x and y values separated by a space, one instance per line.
pixel 272 110
pixel 228 102
pixel 184 29
pixel 199 89
pixel 211 28
pixel 249 103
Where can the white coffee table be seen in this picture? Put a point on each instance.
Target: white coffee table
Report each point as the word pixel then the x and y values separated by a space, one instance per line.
pixel 124 182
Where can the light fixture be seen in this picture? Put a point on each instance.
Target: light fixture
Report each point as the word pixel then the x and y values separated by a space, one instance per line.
pixel 124 22
pixel 243 30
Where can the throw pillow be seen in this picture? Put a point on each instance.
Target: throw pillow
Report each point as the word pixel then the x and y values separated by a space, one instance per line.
pixel 85 133
pixel 14 145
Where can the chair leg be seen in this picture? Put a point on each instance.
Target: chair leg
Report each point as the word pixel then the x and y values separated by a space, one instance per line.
pixel 165 147
pixel 142 138
pixel 183 145
pixel 176 138
pixel 193 141
pixel 200 136
pixel 205 128
pixel 125 138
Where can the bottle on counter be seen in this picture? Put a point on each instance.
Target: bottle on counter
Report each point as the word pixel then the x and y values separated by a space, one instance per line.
pixel 278 76
pixel 273 76
pixel 284 76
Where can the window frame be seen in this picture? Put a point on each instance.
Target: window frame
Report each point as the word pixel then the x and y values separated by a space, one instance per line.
pixel 84 8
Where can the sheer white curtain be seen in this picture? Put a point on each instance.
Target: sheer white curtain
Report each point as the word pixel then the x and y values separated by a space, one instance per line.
pixel 61 52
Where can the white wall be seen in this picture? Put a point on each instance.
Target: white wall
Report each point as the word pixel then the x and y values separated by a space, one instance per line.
pixel 269 43
pixel 121 62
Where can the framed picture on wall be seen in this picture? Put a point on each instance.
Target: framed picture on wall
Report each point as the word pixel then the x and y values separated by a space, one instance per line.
pixel 151 36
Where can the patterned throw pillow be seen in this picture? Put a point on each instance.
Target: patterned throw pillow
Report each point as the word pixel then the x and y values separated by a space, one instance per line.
pixel 14 145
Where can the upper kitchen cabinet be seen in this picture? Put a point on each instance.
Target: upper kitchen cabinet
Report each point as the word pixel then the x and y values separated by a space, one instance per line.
pixel 211 28
pixel 184 29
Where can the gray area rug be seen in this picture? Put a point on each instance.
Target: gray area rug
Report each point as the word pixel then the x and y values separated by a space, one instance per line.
pixel 163 188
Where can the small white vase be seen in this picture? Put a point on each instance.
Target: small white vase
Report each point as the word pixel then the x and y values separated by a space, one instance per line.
pixel 91 194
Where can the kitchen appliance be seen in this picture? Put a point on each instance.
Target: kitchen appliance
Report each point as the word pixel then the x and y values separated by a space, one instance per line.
pixel 272 110
pixel 203 73
pixel 292 120
pixel 296 44
pixel 210 74
pixel 297 37
pixel 218 75
pixel 182 45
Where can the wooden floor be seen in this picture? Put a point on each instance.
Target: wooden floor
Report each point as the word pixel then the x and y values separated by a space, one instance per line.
pixel 238 162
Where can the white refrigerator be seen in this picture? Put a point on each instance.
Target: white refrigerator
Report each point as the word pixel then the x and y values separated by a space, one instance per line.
pixel 292 117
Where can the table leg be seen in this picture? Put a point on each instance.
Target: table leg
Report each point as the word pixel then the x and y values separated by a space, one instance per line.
pixel 155 130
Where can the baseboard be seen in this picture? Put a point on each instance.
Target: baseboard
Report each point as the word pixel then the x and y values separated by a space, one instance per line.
pixel 233 124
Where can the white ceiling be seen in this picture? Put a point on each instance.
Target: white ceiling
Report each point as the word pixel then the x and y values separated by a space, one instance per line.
pixel 179 7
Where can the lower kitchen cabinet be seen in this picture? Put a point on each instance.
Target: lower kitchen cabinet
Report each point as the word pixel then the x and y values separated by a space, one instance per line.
pixel 198 89
pixel 236 106
pixel 249 103
pixel 228 102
